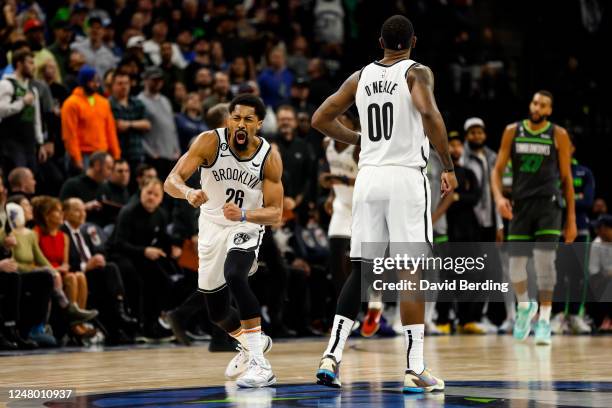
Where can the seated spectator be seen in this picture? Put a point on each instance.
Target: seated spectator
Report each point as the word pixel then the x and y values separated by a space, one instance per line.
pixel 130 118
pixel 30 259
pixel 275 81
pixel 86 186
pixel 114 192
pixel 189 122
pixel 53 243
pixel 21 181
pixel 145 252
pixel 600 268
pixel 88 125
pixel 107 293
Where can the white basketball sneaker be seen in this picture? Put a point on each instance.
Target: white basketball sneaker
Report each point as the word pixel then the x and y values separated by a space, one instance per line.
pixel 258 374
pixel 240 362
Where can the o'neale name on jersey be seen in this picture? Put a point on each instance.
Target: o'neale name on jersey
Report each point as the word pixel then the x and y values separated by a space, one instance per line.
pixel 381 87
pixel 241 176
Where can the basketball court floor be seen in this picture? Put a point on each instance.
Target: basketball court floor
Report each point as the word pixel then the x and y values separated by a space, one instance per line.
pixel 480 371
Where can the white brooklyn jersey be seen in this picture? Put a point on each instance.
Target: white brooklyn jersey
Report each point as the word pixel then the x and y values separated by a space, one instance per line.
pixel 230 179
pixel 342 164
pixel 392 129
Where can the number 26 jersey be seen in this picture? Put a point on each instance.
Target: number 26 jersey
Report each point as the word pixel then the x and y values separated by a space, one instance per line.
pixel 392 131
pixel 230 179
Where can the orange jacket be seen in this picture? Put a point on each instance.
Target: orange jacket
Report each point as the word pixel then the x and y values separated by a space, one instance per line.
pixel 87 128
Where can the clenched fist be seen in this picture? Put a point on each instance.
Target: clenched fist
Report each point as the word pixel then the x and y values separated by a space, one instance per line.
pixel 232 212
pixel 196 197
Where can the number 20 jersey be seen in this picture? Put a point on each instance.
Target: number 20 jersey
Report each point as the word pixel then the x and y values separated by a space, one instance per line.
pixel 392 131
pixel 232 179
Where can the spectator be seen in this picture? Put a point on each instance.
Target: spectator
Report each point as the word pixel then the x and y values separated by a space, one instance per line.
pixel 59 93
pixel 172 73
pixel 152 47
pixel 107 292
pixel 218 62
pixel 54 244
pixel 600 269
pixel 179 96
pixel 115 190
pixel 20 115
pixel 275 81
pixel 21 181
pixel 135 49
pixel 107 82
pixel 201 59
pixel 238 74
pixel 130 118
pixel 61 46
pixel 298 160
pixel 144 251
pixel 87 121
pixel 220 91
pixel 161 143
pixel 297 61
pixel 319 86
pixel 184 40
pixel 203 83
pixel 30 259
pixel 189 122
pixel 86 186
pixel 96 53
pixel 34 31
pixel 329 22
pixel 76 61
pixel 300 93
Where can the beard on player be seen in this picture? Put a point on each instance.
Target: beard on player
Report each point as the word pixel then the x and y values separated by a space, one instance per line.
pixel 536 118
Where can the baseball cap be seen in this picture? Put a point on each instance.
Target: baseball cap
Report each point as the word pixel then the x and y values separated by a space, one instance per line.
pixel 86 74
pixel 153 72
pixel 453 134
pixel 471 122
pixel 32 24
pixel 135 41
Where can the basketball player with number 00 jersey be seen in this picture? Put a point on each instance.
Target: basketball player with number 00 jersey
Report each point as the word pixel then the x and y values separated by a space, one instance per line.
pixel 391 200
pixel 241 192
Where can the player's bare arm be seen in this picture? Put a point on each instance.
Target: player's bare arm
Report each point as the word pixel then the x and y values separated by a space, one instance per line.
pixel 272 210
pixel 201 152
pixel 504 207
pixel 421 84
pixel 567 182
pixel 325 119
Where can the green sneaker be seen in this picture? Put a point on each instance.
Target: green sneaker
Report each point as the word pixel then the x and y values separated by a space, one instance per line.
pixel 522 326
pixel 542 333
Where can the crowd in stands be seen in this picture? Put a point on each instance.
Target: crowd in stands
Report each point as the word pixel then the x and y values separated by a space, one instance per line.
pixel 99 99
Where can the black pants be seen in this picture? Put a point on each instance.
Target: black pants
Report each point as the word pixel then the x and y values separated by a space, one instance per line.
pixel 33 299
pixel 10 293
pixel 105 291
pixel 572 276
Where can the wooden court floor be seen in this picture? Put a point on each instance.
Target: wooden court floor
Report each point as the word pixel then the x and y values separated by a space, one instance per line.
pixel 457 358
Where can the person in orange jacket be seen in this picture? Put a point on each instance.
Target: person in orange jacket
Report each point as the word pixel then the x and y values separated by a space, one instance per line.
pixel 88 125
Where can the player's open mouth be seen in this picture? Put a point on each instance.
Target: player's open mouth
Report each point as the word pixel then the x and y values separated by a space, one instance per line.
pixel 241 136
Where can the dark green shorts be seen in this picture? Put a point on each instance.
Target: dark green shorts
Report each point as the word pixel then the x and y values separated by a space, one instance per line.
pixel 535 220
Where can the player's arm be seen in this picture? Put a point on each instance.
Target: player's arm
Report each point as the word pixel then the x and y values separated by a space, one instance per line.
pixel 567 182
pixel 325 119
pixel 421 84
pixel 202 151
pixel 272 210
pixel 503 204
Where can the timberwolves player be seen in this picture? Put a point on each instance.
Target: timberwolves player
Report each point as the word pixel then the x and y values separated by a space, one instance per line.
pixel 541 155
pixel 241 192
pixel 399 117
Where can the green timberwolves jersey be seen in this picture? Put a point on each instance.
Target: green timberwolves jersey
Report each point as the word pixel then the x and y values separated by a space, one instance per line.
pixel 535 163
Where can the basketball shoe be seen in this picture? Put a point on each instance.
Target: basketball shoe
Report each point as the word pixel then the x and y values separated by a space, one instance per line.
pixel 522 326
pixel 371 322
pixel 542 333
pixel 258 374
pixel 240 362
pixel 329 372
pixel 424 382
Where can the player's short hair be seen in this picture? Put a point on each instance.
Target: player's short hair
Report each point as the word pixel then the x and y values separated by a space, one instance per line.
pixel 249 100
pixel 547 94
pixel 396 33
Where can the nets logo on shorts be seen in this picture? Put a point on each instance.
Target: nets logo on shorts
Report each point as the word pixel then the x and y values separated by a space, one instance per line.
pixel 241 238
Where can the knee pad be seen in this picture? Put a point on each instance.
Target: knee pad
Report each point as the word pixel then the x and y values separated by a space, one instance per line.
pixel 518 268
pixel 544 265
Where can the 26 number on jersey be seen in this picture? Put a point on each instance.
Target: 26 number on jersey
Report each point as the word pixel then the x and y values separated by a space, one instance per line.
pixel 237 196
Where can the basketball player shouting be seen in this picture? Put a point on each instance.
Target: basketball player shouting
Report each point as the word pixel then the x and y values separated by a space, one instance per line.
pixel 241 192
pixel 391 202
